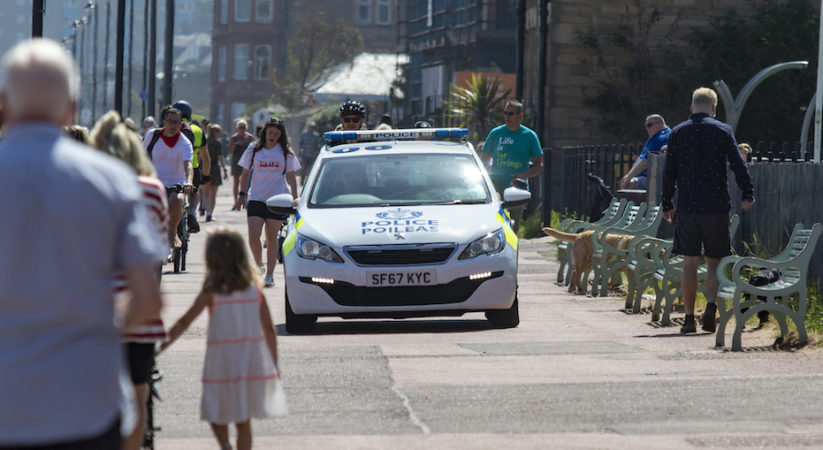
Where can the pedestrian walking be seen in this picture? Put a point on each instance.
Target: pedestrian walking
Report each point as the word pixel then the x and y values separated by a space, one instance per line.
pixel 237 145
pixel 61 355
pixel 309 148
pixel 269 167
pixel 218 168
pixel 512 146
pixel 698 151
pixel 113 137
pixel 241 372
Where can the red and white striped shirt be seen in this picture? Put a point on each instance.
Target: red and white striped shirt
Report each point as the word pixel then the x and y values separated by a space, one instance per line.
pixel 155 200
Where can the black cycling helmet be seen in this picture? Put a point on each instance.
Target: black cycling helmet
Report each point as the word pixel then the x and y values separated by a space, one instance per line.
pixel 352 108
pixel 184 107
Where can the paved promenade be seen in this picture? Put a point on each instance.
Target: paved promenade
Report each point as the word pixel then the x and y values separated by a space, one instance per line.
pixel 577 373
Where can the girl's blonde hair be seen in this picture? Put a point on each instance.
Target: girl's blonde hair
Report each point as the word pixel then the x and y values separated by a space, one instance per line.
pixel 228 267
pixel 112 136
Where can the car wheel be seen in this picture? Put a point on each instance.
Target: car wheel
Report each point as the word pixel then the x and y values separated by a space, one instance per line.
pixel 298 323
pixel 504 318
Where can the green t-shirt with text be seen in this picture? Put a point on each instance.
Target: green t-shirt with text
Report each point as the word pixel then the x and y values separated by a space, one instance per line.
pixel 511 152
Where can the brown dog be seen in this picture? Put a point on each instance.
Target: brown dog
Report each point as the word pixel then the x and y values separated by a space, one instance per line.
pixel 582 250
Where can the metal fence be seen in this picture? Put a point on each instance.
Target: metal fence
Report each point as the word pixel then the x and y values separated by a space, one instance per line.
pixel 574 193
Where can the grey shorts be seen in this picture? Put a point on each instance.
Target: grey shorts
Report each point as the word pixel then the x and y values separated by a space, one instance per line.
pixel 696 234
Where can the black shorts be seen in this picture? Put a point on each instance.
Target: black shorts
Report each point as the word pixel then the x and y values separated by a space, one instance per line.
pixel 258 209
pixel 696 234
pixel 197 178
pixel 141 361
pixel 236 170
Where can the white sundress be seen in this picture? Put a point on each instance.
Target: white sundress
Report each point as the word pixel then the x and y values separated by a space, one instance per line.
pixel 239 376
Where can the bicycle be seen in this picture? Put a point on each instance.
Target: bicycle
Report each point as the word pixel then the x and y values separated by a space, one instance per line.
pixel 179 253
pixel 148 439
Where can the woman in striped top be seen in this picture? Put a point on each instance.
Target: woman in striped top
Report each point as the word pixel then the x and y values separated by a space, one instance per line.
pixel 240 373
pixel 112 136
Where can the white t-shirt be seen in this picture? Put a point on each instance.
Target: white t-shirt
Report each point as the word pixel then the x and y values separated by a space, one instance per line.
pixel 169 162
pixel 267 177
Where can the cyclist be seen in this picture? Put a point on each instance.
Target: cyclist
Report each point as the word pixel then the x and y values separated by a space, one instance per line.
pixel 352 115
pixel 172 158
pixel 200 163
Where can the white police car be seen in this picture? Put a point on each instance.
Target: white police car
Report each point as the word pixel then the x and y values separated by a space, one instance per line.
pixel 393 226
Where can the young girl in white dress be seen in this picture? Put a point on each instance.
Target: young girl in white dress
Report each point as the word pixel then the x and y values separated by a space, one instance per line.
pixel 240 373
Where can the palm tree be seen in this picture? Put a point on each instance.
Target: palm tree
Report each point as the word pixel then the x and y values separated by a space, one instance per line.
pixel 478 105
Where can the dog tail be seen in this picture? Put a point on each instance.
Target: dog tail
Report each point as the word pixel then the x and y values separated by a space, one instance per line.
pixel 568 237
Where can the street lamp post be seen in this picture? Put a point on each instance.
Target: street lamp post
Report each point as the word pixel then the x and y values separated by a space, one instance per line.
pixel 118 67
pixel 94 62
pixel 152 57
pixel 106 57
pixel 169 58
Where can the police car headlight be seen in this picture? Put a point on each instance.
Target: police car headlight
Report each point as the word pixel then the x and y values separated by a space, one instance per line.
pixel 311 249
pixel 487 245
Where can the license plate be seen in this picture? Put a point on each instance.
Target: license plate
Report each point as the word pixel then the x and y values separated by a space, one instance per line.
pixel 413 278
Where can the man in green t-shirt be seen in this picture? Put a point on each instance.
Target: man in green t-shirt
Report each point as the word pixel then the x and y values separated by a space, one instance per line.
pixel 510 147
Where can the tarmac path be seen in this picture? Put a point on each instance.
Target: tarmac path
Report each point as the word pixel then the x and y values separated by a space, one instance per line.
pixel 577 373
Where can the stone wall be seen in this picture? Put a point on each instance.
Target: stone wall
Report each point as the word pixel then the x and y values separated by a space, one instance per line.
pixel 570 73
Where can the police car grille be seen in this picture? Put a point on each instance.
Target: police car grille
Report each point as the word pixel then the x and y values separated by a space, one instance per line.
pixel 456 291
pixel 401 257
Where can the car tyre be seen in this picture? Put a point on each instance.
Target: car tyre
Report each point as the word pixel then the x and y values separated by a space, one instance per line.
pixel 504 318
pixel 298 323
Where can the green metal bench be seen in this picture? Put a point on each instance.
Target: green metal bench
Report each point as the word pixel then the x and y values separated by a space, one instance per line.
pixel 644 262
pixel 612 216
pixel 607 260
pixel 631 214
pixel 668 274
pixel 793 262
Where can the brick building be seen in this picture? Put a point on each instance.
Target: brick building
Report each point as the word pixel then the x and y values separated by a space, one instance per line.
pixel 443 38
pixel 250 38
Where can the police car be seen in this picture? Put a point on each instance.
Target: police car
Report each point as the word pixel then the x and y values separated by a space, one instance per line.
pixel 399 224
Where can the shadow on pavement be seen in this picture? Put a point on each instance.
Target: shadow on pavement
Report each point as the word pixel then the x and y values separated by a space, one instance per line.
pixel 403 326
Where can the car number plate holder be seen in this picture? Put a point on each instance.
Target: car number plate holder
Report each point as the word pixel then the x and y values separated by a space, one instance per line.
pixel 386 278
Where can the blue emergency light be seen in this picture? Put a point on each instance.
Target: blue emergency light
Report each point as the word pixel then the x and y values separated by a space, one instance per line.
pixel 395 135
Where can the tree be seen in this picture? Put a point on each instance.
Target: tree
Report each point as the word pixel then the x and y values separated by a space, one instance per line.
pixel 312 52
pixel 633 80
pixel 734 48
pixel 478 105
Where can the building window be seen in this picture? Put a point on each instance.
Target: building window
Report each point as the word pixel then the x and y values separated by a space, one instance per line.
pixel 363 11
pixel 262 62
pixel 262 11
pixel 237 110
pixel 224 11
pixel 241 62
pixel 383 12
pixel 242 11
pixel 221 64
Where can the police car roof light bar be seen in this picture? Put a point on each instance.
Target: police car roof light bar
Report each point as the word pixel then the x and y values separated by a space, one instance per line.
pixel 399 134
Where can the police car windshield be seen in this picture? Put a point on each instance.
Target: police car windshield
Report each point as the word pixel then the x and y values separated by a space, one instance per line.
pixel 398 180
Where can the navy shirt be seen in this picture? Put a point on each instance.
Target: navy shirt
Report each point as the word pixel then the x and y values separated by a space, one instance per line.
pixel 696 165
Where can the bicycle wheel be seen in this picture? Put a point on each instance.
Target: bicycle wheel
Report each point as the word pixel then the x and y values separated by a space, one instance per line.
pixel 177 257
pixel 184 250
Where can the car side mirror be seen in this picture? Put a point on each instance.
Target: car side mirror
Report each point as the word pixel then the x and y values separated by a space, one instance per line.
pixel 514 197
pixel 282 204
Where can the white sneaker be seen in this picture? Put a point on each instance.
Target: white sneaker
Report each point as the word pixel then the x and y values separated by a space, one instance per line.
pixel 269 281
pixel 262 269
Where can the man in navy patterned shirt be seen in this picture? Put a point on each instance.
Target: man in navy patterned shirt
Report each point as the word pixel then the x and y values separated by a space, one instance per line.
pixel 696 166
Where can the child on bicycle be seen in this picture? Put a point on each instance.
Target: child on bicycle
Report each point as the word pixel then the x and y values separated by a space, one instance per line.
pixel 240 373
